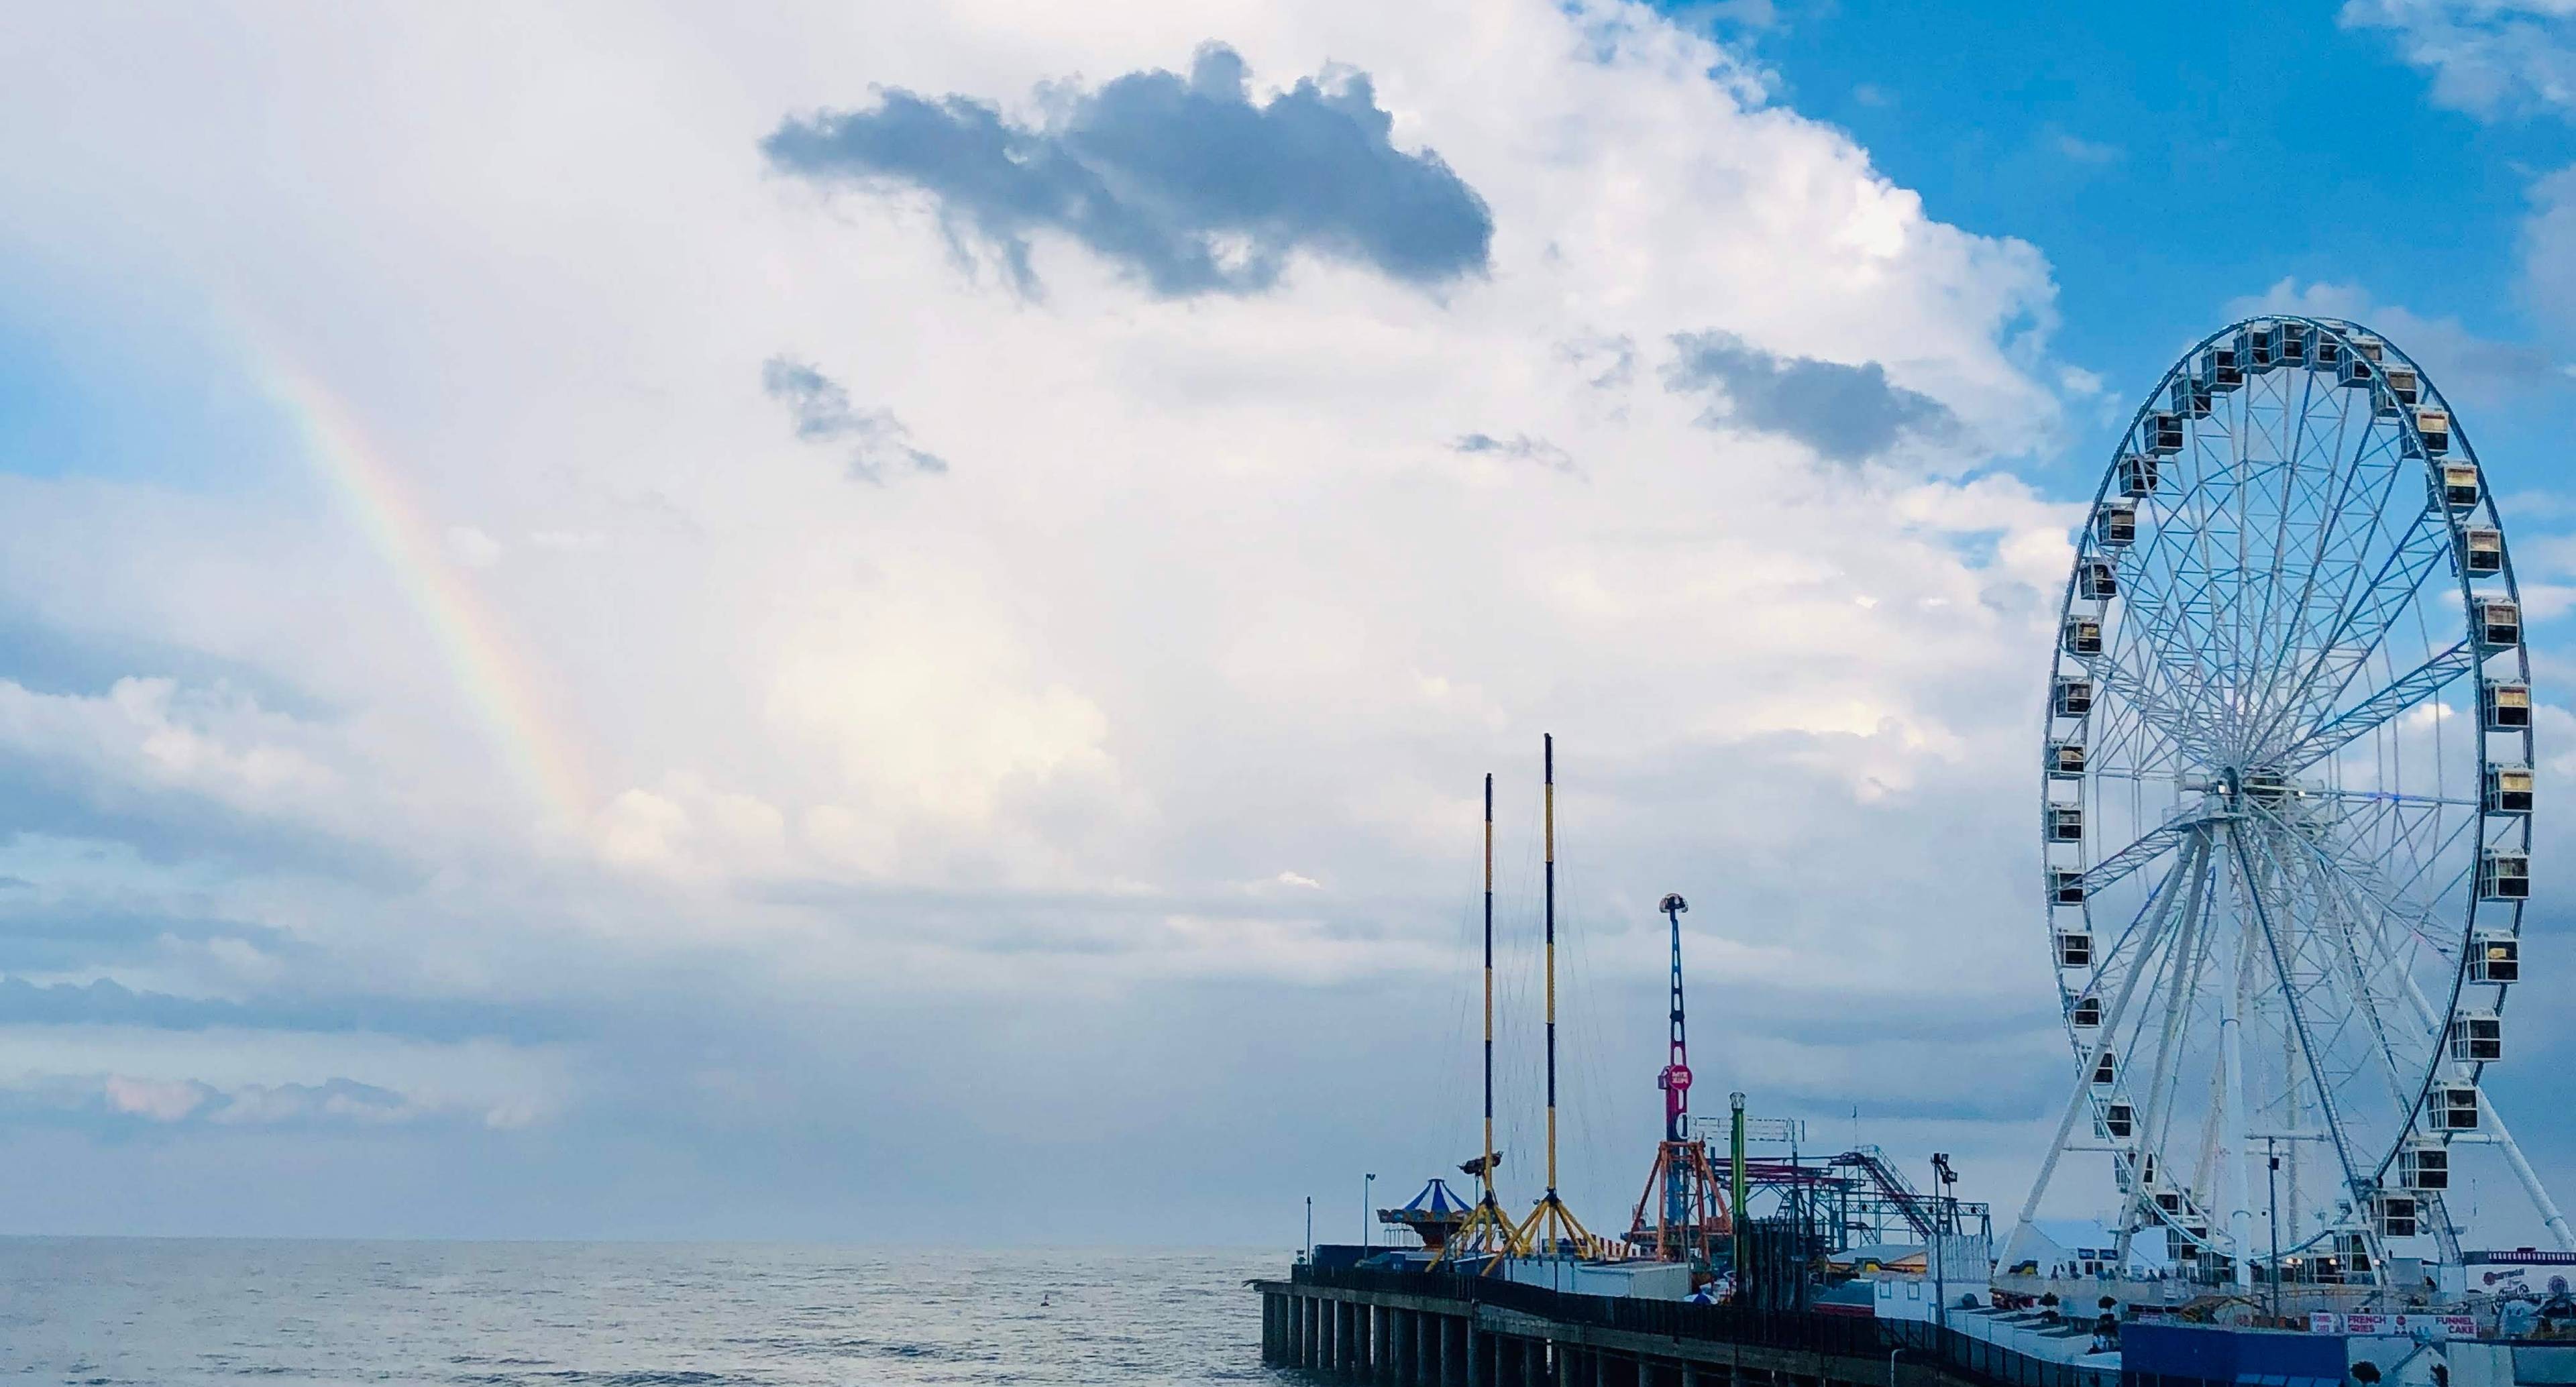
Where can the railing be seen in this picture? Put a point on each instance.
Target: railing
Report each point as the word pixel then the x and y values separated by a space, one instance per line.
pixel 1847 1336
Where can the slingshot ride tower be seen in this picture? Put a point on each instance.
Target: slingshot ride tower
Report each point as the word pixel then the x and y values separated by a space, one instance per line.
pixel 2286 813
pixel 1682 1215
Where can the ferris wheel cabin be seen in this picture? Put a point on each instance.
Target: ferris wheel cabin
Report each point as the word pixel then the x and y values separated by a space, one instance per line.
pixel 2074 948
pixel 2495 957
pixel 2424 1165
pixel 2506 704
pixel 2219 372
pixel 2433 428
pixel 2481 552
pixel 2258 345
pixel 2065 760
pixel 2115 526
pixel 2458 484
pixel 2508 789
pixel 2394 1213
pixel 2452 1108
pixel 2477 1037
pixel 2499 623
pixel 2164 434
pixel 2504 875
pixel 2138 475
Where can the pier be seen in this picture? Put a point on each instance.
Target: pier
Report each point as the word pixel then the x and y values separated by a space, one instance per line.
pixel 1414 1330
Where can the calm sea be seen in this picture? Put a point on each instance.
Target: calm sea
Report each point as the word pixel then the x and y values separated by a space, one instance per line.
pixel 167 1313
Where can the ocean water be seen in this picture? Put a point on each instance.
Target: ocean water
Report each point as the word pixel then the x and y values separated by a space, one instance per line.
pixel 175 1313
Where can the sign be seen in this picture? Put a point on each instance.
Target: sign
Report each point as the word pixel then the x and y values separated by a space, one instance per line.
pixel 1779 1131
pixel 2410 1326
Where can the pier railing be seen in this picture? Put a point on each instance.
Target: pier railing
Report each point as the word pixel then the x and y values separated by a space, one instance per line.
pixel 1848 1336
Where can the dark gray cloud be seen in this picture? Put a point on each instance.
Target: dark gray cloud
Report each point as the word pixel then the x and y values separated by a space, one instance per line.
pixel 878 442
pixel 1847 414
pixel 1185 182
pixel 1520 447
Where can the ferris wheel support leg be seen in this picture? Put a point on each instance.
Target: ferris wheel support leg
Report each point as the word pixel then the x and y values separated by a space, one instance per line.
pixel 2240 1210
pixel 2082 1097
pixel 2529 1177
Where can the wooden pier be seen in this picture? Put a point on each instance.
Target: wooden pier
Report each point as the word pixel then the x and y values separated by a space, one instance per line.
pixel 1421 1331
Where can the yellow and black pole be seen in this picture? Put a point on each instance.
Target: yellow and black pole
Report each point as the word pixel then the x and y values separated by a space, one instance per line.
pixel 1551 1225
pixel 1488 1229
pixel 1548 744
pixel 1489 991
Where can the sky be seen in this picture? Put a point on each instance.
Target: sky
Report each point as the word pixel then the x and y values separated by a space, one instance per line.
pixel 883 622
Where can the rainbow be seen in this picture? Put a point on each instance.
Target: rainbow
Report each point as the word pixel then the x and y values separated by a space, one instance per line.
pixel 479 655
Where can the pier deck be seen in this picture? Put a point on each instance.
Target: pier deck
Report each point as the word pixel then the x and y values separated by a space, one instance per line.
pixel 1413 1330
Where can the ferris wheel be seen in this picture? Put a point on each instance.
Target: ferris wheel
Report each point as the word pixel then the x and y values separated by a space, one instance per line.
pixel 2286 799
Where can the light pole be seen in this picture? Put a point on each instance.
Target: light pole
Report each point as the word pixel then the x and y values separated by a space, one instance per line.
pixel 1310 1230
pixel 1366 1184
pixel 2272 1148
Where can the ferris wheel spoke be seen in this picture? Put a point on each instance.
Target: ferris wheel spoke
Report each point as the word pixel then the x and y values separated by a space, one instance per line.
pixel 2377 710
pixel 2185 963
pixel 2153 844
pixel 2345 485
pixel 2298 1022
pixel 2358 977
pixel 2157 711
pixel 2369 616
pixel 2332 795
pixel 2390 900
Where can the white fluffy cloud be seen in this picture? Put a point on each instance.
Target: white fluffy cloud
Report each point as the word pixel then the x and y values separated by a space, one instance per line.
pixel 2488 57
pixel 1207 584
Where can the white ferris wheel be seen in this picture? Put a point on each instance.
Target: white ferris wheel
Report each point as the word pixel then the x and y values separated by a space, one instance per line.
pixel 2287 795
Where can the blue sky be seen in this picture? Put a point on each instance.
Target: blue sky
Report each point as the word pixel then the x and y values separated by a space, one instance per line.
pixel 2172 161
pixel 625 628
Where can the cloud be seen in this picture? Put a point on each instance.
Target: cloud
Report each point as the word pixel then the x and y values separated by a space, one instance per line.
pixel 2465 366
pixel 1186 182
pixel 2502 60
pixel 2084 151
pixel 1846 414
pixel 1520 447
pixel 155 1100
pixel 168 1102
pixel 2490 58
pixel 2549 242
pixel 878 442
pixel 1606 363
pixel 981 789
